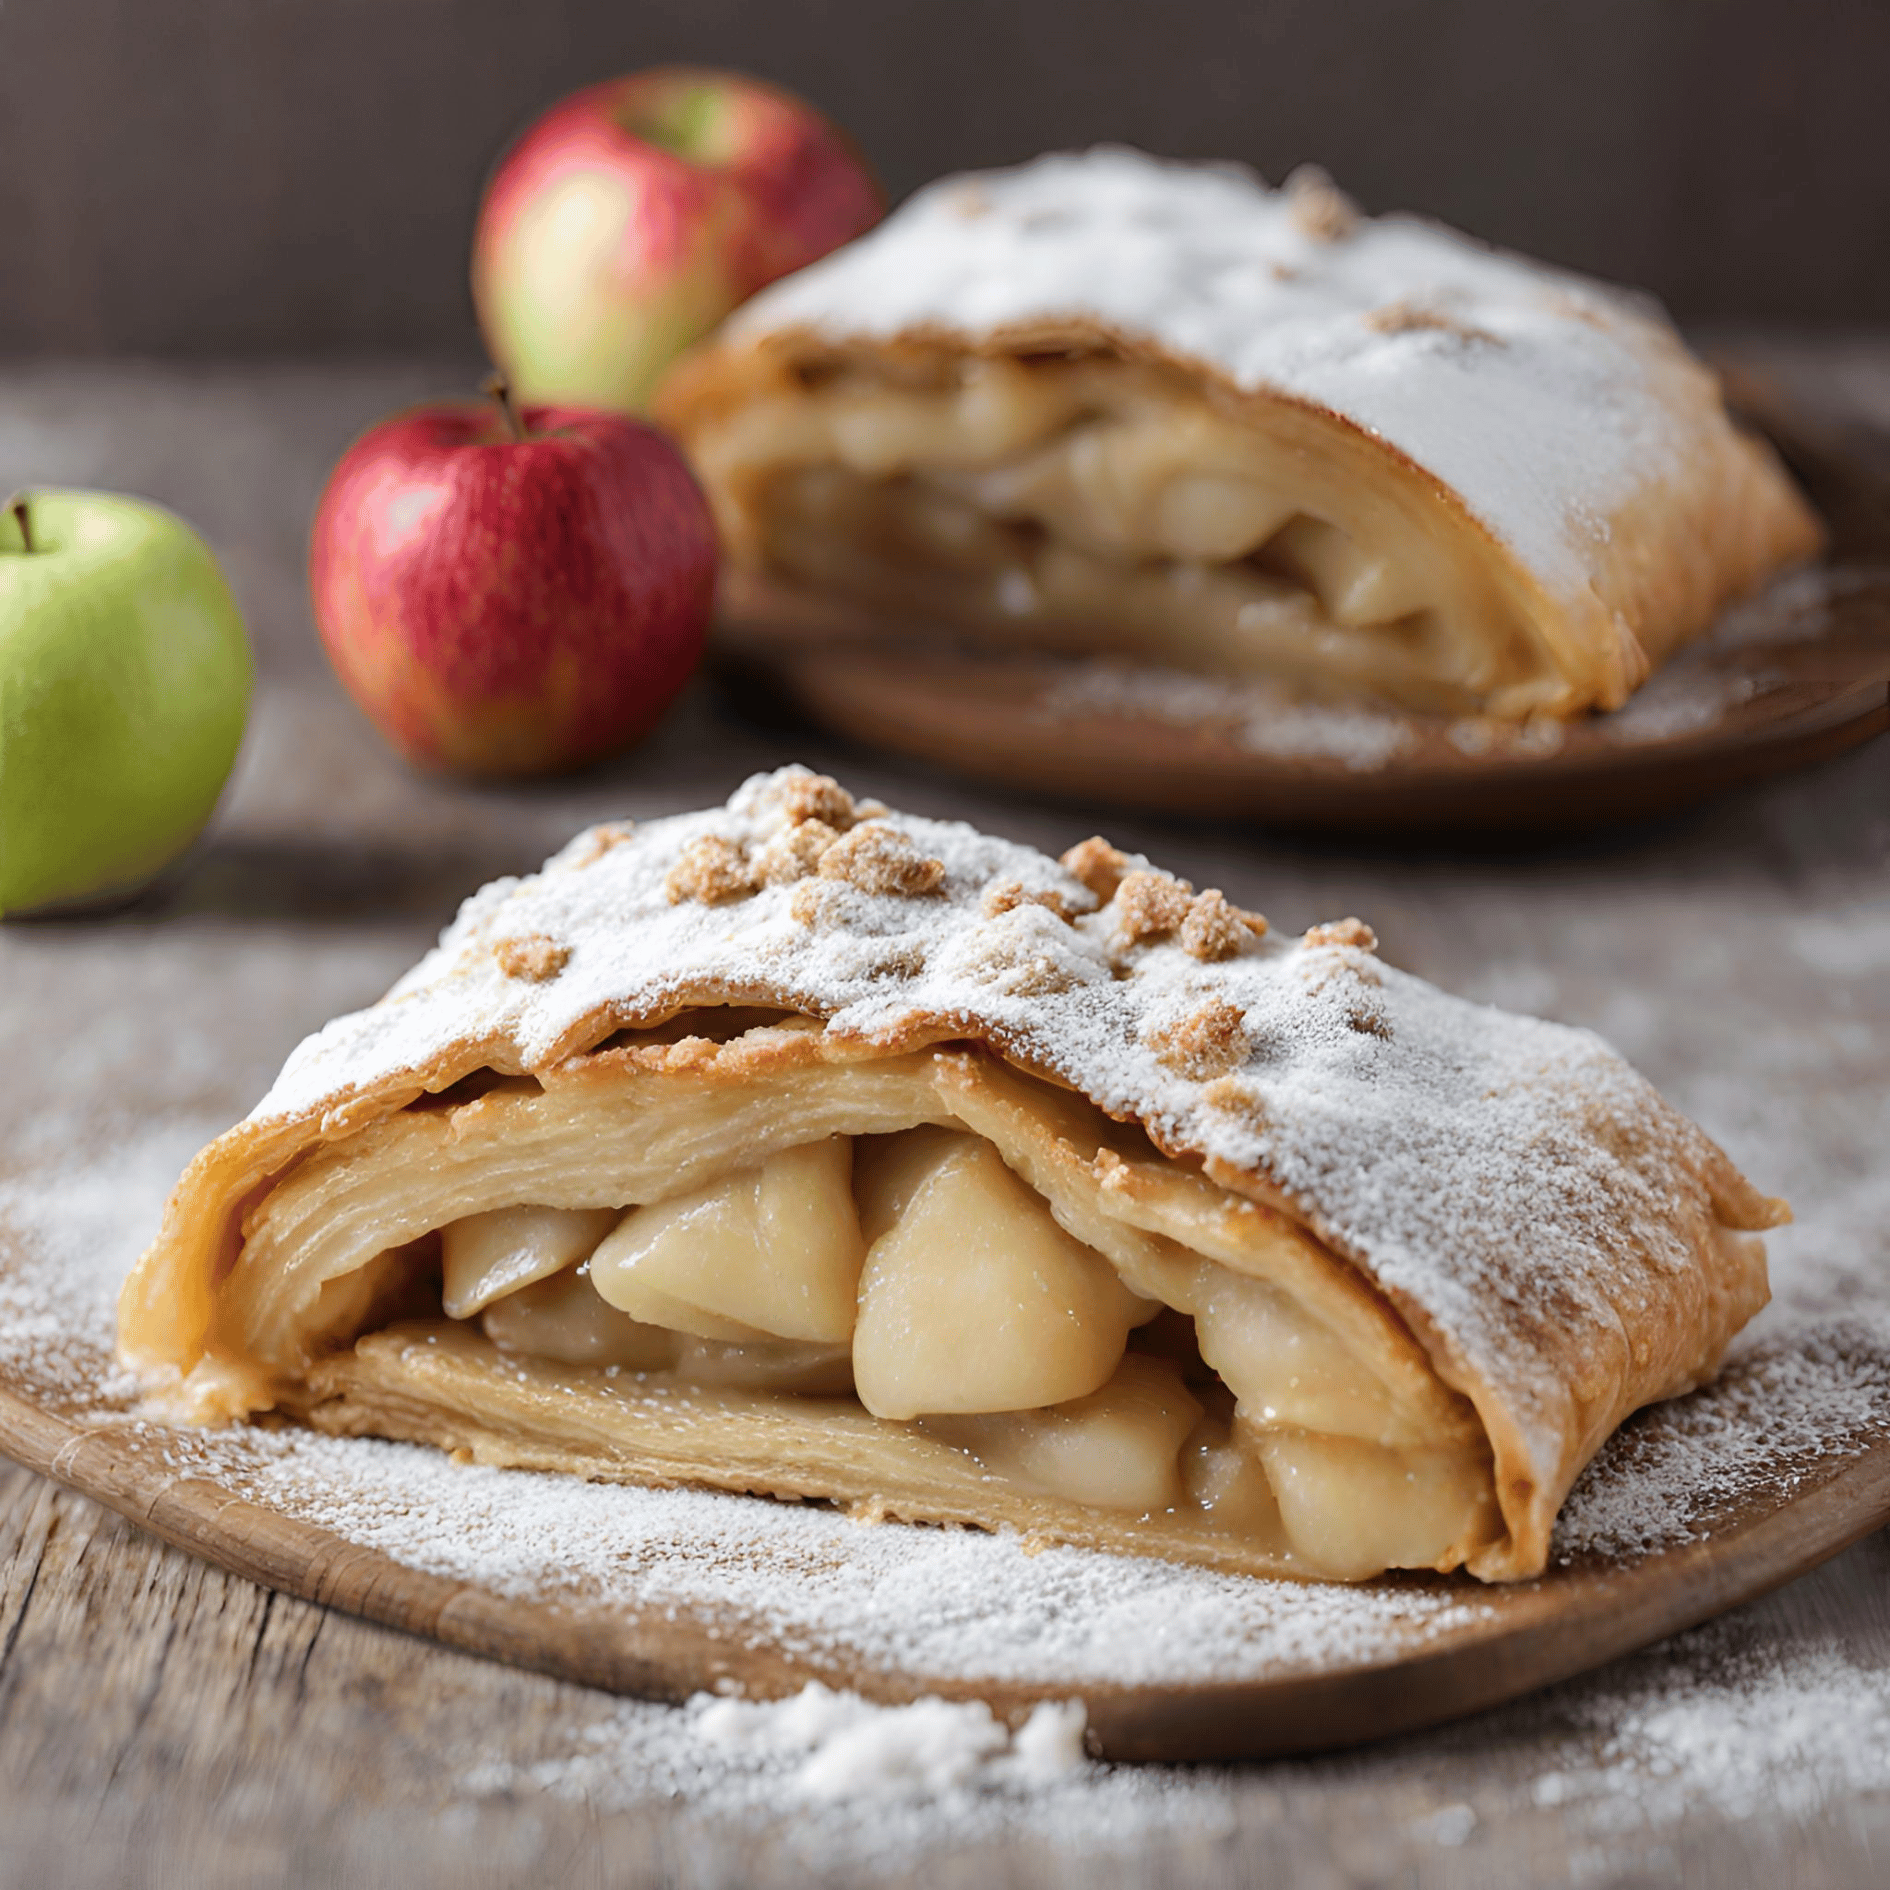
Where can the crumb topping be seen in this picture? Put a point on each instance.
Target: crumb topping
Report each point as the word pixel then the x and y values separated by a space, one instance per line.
pixel 613 833
pixel 1351 932
pixel 1404 318
pixel 534 957
pixel 794 852
pixel 1150 905
pixel 712 870
pixel 821 798
pixel 1098 865
pixel 1214 930
pixel 1004 894
pixel 1204 1044
pixel 1318 207
pixel 877 858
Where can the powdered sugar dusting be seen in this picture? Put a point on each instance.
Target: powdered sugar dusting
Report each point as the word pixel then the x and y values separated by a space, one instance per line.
pixel 1712 1721
pixel 949 1603
pixel 1737 663
pixel 1530 392
pixel 843 1780
pixel 1261 717
pixel 1514 1180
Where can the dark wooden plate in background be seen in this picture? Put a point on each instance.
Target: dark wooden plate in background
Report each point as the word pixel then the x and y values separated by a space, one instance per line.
pixel 1802 675
pixel 1807 677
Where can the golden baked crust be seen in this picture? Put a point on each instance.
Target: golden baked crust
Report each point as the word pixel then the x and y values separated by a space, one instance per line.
pixel 1508 1238
pixel 1104 405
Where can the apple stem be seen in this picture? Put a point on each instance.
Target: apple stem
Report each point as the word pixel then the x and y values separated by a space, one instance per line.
pixel 500 389
pixel 17 506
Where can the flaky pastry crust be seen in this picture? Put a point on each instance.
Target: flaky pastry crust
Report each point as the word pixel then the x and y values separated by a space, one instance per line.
pixel 1490 1206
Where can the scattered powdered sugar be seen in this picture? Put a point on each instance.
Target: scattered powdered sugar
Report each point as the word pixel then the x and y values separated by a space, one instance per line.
pixel 1689 695
pixel 1709 1720
pixel 841 1779
pixel 67 1236
pixel 1784 1403
pixel 952 1604
pixel 942 1603
pixel 1261 717
pixel 1699 1721
pixel 1543 399
pixel 842 1746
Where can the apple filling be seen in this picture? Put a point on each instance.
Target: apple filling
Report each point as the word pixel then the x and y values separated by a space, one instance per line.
pixel 1095 505
pixel 922 1283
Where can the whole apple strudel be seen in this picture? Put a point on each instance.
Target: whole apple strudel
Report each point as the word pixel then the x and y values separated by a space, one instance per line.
pixel 795 1147
pixel 1106 405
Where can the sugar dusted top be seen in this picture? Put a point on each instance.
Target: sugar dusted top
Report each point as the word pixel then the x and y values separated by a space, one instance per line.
pixel 1513 1185
pixel 1542 399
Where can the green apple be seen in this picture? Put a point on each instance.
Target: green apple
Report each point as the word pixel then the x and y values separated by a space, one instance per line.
pixel 125 678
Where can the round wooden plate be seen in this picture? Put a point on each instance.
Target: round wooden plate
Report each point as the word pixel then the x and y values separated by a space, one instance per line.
pixel 1506 1641
pixel 1794 677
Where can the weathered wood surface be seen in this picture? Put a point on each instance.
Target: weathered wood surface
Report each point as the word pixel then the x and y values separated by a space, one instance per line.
pixel 162 1722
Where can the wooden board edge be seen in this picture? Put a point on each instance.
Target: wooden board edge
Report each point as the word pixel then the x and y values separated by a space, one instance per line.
pixel 1534 1636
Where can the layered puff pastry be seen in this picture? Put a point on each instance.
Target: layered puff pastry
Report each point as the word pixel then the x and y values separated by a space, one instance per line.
pixel 1107 405
pixel 797 1147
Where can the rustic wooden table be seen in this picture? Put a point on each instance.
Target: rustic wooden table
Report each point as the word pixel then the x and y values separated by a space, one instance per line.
pixel 161 1722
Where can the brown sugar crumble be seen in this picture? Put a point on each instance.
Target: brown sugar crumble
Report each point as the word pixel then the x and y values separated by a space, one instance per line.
pixel 1353 932
pixel 1236 1096
pixel 1005 895
pixel 534 957
pixel 1368 1018
pixel 818 797
pixel 1214 929
pixel 600 840
pixel 1206 1043
pixel 712 870
pixel 1319 207
pixel 1151 905
pixel 1401 318
pixel 794 852
pixel 1097 865
pixel 879 859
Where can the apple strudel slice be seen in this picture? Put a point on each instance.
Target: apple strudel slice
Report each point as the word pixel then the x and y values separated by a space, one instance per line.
pixel 796 1147
pixel 1102 404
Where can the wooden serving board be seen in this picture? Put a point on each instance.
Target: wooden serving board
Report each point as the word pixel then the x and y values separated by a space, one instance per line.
pixel 1804 674
pixel 1501 1643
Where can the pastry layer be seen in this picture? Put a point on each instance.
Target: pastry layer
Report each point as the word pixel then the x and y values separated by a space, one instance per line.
pixel 905 1281
pixel 1105 405
pixel 798 1026
pixel 1101 506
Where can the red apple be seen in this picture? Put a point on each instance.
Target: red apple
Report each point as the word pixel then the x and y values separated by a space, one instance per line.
pixel 510 593
pixel 634 215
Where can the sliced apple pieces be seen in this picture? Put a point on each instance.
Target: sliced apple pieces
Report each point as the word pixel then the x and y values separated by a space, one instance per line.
pixel 972 1297
pixel 1351 1508
pixel 771 1252
pixel 562 1318
pixel 485 1256
pixel 1284 1368
pixel 786 1365
pixel 1117 1448
pixel 917 1272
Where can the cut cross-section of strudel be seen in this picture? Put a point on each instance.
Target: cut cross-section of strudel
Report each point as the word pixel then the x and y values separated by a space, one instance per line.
pixel 1108 405
pixel 799 1147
